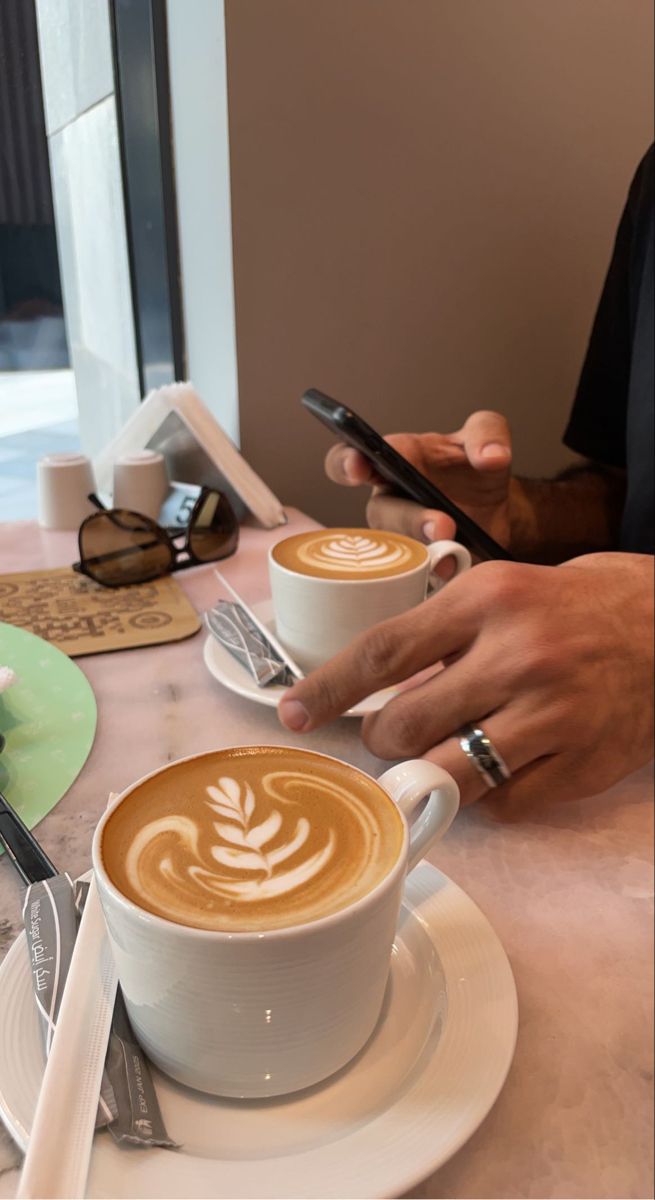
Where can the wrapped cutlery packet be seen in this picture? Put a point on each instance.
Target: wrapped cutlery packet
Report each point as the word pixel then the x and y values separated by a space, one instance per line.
pixel 232 626
pixel 128 1105
pixel 50 919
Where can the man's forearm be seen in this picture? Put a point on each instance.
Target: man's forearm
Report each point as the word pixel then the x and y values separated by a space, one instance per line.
pixel 552 520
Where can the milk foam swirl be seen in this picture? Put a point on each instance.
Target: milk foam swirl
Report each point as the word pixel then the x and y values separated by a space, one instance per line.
pixel 252 842
pixel 354 553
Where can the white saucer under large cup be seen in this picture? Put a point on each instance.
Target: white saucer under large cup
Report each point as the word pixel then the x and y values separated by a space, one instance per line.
pixel 413 1096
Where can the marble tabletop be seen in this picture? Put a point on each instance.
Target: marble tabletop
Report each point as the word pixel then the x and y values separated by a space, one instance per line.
pixel 569 890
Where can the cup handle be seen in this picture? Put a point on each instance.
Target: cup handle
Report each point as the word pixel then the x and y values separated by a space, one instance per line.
pixel 408 784
pixel 437 551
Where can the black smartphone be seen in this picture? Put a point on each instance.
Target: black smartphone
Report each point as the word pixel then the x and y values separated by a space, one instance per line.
pixel 404 479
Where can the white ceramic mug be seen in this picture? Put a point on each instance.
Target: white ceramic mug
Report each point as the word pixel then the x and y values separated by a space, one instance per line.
pixel 316 617
pixel 141 483
pixel 266 1013
pixel 64 482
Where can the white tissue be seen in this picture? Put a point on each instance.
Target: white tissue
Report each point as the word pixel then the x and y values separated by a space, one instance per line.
pixel 7 677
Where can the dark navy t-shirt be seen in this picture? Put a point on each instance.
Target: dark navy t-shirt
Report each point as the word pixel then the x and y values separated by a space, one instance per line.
pixel 613 417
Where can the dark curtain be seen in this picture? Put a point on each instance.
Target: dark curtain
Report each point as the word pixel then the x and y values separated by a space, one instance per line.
pixel 29 271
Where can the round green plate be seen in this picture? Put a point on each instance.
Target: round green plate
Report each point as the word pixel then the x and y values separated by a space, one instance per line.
pixel 48 719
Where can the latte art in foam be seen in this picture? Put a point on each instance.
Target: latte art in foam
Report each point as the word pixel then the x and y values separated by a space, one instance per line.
pixel 284 837
pixel 350 553
pixel 241 845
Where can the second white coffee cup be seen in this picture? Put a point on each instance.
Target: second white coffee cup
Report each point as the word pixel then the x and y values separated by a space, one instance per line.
pixel 316 617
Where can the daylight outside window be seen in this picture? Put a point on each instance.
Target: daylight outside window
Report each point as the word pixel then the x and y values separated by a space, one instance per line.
pixel 38 409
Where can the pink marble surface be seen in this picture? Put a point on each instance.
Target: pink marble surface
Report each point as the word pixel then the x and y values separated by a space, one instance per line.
pixel 569 890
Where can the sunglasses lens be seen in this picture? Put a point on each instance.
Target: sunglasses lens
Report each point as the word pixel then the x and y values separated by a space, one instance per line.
pixel 123 547
pixel 215 529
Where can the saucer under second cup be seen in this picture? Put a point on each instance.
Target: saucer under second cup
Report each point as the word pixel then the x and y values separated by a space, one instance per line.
pixel 235 678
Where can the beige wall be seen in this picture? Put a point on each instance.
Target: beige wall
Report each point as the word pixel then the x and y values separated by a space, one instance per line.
pixel 424 197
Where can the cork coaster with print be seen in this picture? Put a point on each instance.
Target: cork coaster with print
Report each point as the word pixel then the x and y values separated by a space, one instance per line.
pixel 81 617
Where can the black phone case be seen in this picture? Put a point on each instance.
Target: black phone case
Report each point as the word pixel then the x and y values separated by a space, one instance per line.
pixel 398 472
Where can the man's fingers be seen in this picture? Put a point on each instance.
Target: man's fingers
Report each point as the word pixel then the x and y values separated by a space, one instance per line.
pixel 529 794
pixel 521 747
pixel 424 716
pixel 527 784
pixel 487 441
pixel 388 653
pixel 426 451
pixel 403 516
pixel 346 466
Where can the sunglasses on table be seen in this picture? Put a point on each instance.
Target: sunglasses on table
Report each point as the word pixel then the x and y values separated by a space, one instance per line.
pixel 119 547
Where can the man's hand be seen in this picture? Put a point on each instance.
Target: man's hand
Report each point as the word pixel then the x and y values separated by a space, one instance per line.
pixel 555 662
pixel 472 466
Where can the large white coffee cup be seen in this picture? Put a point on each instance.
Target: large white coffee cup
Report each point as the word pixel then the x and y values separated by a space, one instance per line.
pixel 316 617
pixel 265 1013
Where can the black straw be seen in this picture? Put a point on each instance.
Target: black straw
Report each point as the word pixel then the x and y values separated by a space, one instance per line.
pixel 27 856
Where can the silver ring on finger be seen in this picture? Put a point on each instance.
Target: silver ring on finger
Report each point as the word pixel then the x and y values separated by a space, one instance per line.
pixel 484 756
